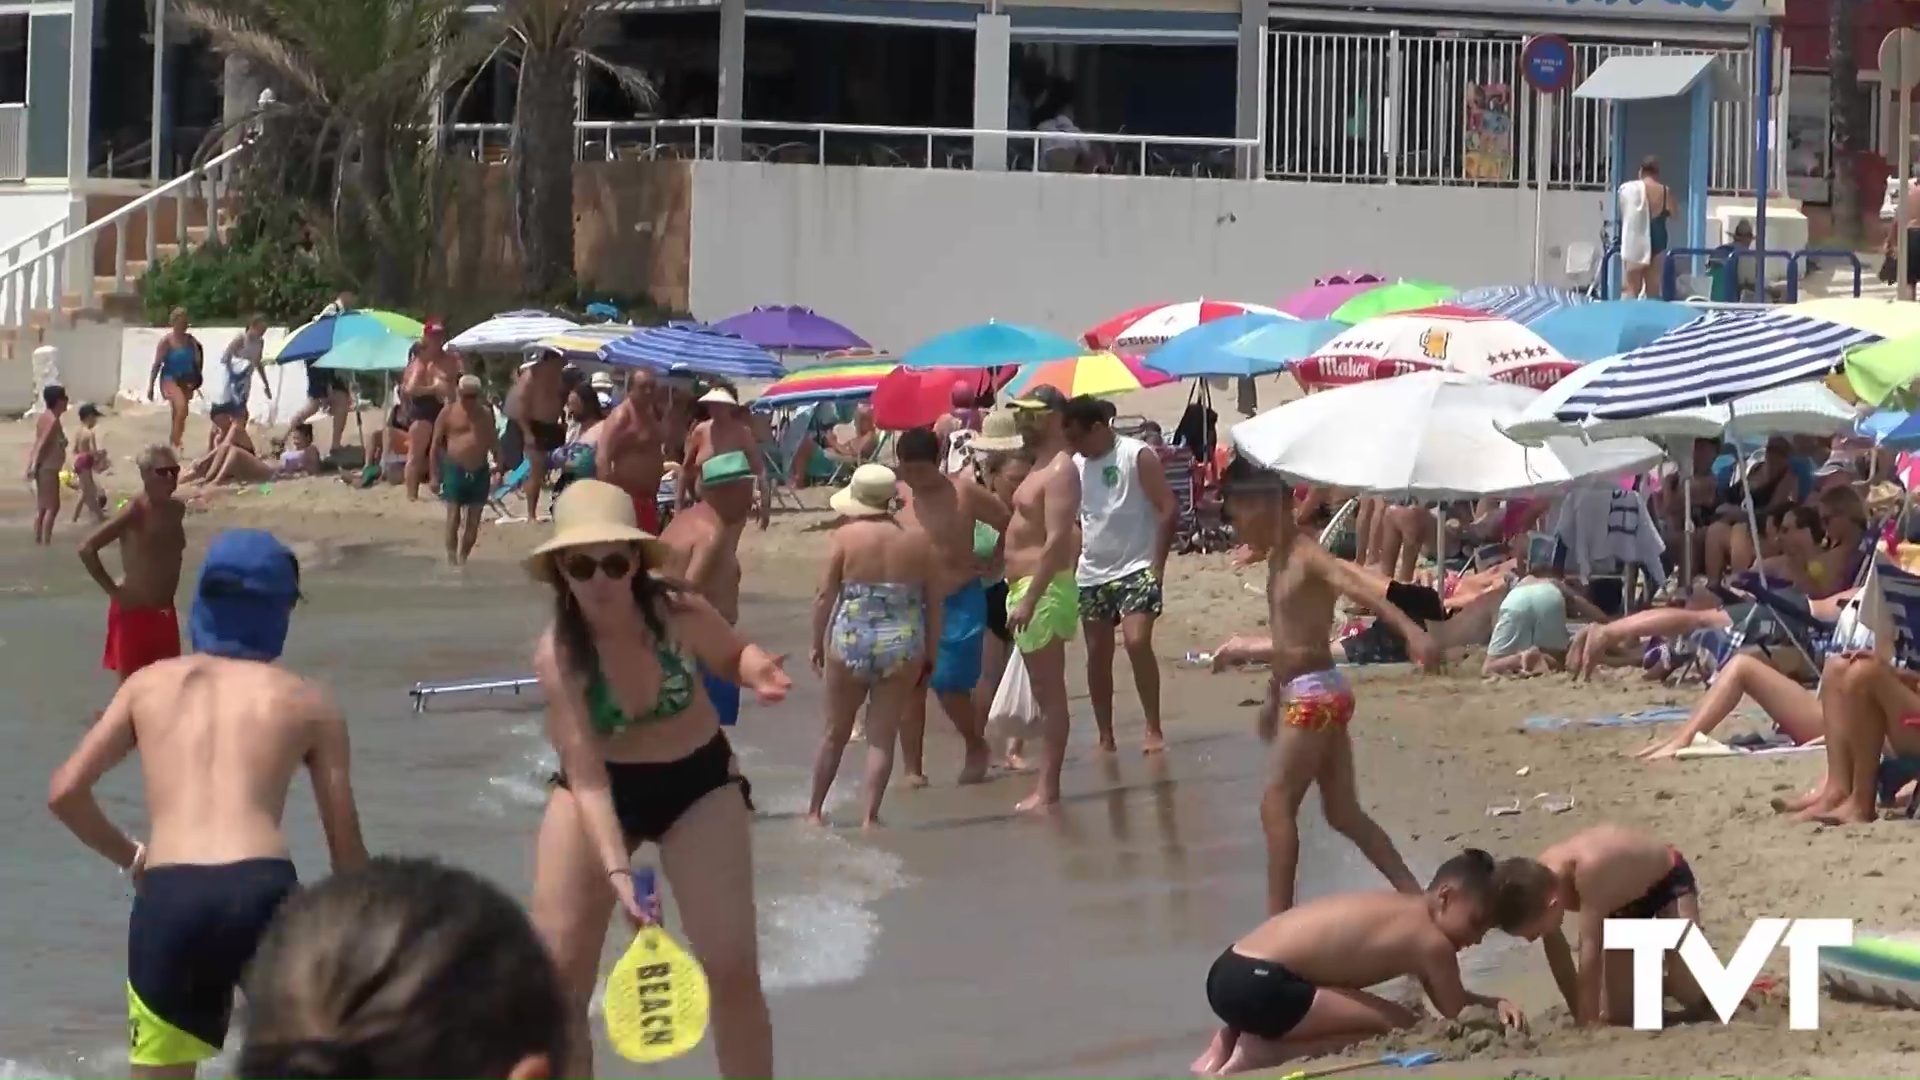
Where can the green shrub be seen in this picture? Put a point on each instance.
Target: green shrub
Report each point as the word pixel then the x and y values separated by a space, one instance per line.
pixel 256 268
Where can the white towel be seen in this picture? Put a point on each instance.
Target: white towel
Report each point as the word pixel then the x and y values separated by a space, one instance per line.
pixel 1636 240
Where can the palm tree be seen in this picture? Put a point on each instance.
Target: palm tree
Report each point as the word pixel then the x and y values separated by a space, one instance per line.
pixel 550 39
pixel 1845 120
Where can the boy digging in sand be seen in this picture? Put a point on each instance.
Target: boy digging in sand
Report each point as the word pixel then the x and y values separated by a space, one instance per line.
pixel 1293 987
pixel 1307 693
pixel 1610 872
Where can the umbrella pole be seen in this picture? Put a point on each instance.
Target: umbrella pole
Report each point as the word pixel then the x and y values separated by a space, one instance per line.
pixel 1686 503
pixel 1746 492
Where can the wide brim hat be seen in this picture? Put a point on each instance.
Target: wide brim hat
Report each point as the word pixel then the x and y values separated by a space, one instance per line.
pixel 868 494
pixel 593 512
pixel 999 432
pixel 720 395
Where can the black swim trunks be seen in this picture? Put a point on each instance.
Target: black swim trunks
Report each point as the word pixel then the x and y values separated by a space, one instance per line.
pixel 648 797
pixel 322 383
pixel 1257 997
pixel 997 611
pixel 191 933
pixel 1678 882
pixel 423 408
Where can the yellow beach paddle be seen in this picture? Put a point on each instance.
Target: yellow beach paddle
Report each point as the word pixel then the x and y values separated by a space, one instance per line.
pixel 656 1001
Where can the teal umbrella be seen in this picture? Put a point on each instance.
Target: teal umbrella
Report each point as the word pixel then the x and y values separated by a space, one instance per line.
pixel 383 352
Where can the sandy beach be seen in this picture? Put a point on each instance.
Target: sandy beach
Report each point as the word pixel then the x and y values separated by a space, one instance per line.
pixel 1437 751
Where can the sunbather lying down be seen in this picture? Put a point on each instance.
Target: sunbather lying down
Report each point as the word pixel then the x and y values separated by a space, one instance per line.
pixel 1872 713
pixel 1460 621
pixel 1621 643
pixel 1794 709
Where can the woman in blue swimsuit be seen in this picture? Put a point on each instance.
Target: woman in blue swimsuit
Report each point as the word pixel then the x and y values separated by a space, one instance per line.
pixel 177 365
pixel 643 760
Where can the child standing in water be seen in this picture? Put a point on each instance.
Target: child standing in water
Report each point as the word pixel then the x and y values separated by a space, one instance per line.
pixel 1309 702
pixel 874 630
pixel 89 457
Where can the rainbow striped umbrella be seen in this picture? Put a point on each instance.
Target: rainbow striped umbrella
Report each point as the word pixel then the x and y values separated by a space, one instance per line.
pixel 1100 374
pixel 583 343
pixel 850 377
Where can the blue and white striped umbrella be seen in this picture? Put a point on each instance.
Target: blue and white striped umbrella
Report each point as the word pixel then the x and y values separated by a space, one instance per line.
pixel 694 349
pixel 1717 357
pixel 1520 303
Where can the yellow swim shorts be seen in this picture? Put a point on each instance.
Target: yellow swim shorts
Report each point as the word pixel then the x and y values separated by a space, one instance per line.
pixel 1056 614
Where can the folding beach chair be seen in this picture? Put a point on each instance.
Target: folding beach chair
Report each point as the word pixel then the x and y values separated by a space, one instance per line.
pixel 779 459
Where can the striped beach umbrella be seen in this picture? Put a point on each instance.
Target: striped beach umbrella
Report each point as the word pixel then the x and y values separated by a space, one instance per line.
pixel 510 332
pixel 854 377
pixel 1715 358
pixel 1145 327
pixel 1098 374
pixel 583 343
pixel 695 349
pixel 1521 303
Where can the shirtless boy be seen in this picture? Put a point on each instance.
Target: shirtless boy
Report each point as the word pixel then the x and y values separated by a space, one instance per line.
pixel 220 735
pixel 705 543
pixel 534 405
pixel 1043 599
pixel 947 508
pixel 1295 987
pixel 463 437
pixel 1308 701
pixel 632 455
pixel 151 532
pixel 1611 872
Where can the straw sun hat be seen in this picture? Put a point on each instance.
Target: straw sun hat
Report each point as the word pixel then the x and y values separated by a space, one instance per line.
pixel 593 512
pixel 999 432
pixel 868 494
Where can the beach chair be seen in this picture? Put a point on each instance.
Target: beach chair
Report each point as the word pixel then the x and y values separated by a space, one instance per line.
pixel 779 458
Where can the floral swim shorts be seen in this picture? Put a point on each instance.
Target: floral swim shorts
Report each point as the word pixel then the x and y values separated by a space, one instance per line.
pixel 1319 701
pixel 1110 601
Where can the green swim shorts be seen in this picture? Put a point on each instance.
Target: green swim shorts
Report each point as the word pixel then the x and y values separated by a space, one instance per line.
pixel 1056 614
pixel 463 487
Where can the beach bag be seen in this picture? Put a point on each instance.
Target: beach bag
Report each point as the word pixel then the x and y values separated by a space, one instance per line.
pixel 1014 713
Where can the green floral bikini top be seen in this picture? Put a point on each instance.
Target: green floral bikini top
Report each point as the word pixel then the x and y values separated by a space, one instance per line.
pixel 609 718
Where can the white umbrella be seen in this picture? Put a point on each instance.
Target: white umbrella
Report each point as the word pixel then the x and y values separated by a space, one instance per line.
pixel 1430 435
pixel 510 333
pixel 1807 408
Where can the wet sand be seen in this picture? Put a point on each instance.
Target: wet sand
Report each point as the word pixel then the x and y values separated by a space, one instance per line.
pixel 961 940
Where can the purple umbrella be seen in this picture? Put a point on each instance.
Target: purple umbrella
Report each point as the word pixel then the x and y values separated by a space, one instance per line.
pixel 1321 301
pixel 781 328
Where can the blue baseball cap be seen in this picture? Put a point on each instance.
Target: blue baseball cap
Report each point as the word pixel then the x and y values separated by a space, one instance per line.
pixel 244 602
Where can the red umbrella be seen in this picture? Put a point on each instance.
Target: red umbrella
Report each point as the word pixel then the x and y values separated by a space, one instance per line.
pixel 906 398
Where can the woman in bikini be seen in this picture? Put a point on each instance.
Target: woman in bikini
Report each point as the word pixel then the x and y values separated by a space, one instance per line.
pixel 45 461
pixel 178 362
pixel 871 628
pixel 643 760
pixel 239 465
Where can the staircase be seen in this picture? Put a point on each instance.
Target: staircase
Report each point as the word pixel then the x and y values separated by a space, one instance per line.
pixel 59 276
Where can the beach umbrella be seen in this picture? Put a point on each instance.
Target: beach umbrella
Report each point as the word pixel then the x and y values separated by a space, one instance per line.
pixel 1883 372
pixel 1521 303
pixel 1806 408
pixel 1400 295
pixel 1447 337
pixel 786 328
pixel 695 349
pixel 1431 435
pixel 1326 294
pixel 388 352
pixel 1590 331
pixel 906 398
pixel 991 344
pixel 510 332
pixel 582 344
pixel 1144 327
pixel 1245 345
pixel 319 336
pixel 850 378
pixel 1883 318
pixel 1716 358
pixel 1098 374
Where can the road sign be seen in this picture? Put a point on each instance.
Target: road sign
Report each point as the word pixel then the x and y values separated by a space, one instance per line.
pixel 1547 63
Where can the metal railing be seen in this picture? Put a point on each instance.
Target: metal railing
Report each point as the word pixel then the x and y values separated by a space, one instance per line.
pixel 36 280
pixel 1425 108
pixel 878 145
pixel 13 142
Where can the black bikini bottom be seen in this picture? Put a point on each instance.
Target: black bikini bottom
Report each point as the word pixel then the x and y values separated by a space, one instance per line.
pixel 649 796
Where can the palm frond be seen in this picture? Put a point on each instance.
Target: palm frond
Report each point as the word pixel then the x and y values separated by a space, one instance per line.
pixel 236 35
pixel 633 82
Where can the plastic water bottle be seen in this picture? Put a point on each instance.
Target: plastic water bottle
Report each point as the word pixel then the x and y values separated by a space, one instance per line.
pixel 1197 660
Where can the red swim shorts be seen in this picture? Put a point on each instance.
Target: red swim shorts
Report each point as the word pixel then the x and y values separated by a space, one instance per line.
pixel 137 637
pixel 646 511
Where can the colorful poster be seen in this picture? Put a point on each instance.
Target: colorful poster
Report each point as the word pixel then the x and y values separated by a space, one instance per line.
pixel 1809 136
pixel 1487 140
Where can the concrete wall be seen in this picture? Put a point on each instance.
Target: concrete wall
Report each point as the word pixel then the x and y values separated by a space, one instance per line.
pixel 902 254
pixel 108 363
pixel 27 208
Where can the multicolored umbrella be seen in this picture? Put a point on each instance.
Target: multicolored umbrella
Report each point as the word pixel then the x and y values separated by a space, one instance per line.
pixel 693 348
pixel 1521 303
pixel 583 343
pixel 387 352
pixel 1402 295
pixel 1325 296
pixel 991 344
pixel 854 377
pixel 1145 327
pixel 510 332
pixel 1443 338
pixel 784 328
pixel 318 337
pixel 1099 374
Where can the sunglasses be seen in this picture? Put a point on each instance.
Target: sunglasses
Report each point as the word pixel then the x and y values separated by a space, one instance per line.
pixel 583 567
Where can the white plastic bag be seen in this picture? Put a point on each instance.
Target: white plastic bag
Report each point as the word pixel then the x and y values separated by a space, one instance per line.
pixel 1014 713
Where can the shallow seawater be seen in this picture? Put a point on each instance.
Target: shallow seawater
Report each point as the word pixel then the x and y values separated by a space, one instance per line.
pixel 960 941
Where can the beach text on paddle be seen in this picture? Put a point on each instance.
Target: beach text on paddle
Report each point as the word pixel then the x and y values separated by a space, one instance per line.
pixel 656 1003
pixel 1726 985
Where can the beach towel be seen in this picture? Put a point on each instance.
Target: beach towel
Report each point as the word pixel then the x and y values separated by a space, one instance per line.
pixel 1636 235
pixel 1663 715
pixel 1706 746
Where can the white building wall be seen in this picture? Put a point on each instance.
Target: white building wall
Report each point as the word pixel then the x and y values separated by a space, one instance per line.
pixel 902 254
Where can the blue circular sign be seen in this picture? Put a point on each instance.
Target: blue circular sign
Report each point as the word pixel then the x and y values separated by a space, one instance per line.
pixel 1547 63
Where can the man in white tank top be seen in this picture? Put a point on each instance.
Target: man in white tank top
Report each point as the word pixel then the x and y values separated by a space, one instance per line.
pixel 1126 523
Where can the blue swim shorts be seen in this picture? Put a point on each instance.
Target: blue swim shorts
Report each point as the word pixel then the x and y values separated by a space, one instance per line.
pixel 963 632
pixel 724 695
